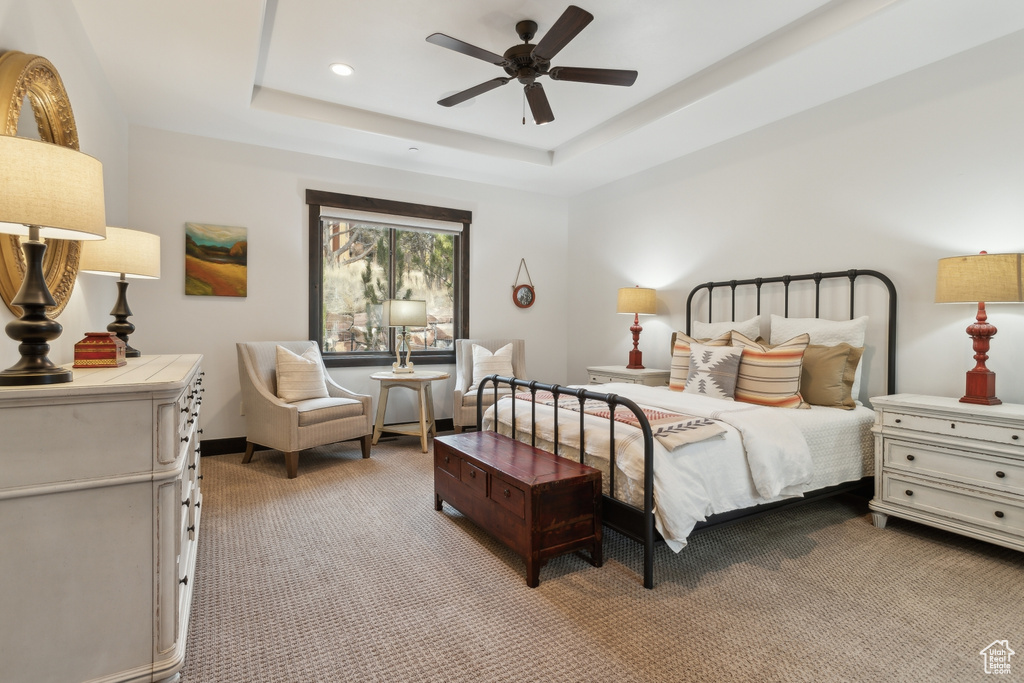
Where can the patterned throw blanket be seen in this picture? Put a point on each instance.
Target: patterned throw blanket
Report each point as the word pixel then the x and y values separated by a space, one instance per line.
pixel 671 429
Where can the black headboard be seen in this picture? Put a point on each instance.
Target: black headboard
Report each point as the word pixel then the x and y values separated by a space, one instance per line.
pixel 817 278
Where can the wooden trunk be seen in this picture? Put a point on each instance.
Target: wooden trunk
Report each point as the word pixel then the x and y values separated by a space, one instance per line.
pixel 538 504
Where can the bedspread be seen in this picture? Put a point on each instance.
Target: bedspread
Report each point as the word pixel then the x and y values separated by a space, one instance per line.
pixel 761 455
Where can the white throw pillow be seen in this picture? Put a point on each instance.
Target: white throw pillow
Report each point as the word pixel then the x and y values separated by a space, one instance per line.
pixel 486 363
pixel 748 328
pixel 299 377
pixel 824 333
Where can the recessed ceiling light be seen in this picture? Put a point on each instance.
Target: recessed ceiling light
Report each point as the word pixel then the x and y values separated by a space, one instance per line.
pixel 342 69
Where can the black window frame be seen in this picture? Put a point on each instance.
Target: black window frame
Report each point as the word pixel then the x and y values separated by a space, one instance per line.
pixel 316 199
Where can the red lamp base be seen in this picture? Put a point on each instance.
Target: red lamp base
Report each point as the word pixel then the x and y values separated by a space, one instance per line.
pixel 981 382
pixel 981 388
pixel 635 356
pixel 636 360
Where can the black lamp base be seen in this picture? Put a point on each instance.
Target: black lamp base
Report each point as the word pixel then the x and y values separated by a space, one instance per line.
pixel 121 327
pixel 33 329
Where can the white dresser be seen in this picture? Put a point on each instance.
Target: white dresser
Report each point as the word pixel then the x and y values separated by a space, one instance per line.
pixel 99 515
pixel 952 465
pixel 603 374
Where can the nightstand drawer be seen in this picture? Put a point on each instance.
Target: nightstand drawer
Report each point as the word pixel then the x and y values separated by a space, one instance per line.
pixel 932 498
pixel 596 378
pixel 952 427
pixel 961 466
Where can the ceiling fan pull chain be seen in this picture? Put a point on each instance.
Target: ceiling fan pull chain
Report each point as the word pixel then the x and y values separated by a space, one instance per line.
pixel 524 107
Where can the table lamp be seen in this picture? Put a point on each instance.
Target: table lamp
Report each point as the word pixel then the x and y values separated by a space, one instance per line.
pixel 980 278
pixel 403 313
pixel 46 190
pixel 638 301
pixel 125 253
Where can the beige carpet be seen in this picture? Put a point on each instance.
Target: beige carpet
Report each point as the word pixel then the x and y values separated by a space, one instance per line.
pixel 347 573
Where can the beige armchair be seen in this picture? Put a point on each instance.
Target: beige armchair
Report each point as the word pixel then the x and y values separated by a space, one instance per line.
pixel 464 405
pixel 292 427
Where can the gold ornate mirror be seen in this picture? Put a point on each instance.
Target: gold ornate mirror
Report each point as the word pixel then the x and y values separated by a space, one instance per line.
pixel 31 79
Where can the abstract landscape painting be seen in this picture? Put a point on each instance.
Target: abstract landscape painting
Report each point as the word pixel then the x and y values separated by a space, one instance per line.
pixel 215 260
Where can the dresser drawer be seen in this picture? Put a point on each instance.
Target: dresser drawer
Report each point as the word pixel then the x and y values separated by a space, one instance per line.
pixel 953 427
pixel 509 497
pixel 474 477
pixel 933 498
pixel 969 467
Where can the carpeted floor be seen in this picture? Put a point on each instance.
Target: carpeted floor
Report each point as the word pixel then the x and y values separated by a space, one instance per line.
pixel 347 573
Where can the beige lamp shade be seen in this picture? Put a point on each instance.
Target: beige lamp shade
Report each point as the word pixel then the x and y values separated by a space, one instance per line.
pixel 405 313
pixel 637 300
pixel 134 253
pixel 55 188
pixel 988 278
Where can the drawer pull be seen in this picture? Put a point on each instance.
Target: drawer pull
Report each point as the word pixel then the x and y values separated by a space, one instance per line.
pixel 898 420
pixel 910 457
pixel 191 528
pixel 1015 437
pixel 184 439
pixel 446 459
pixel 185 409
pixel 1000 474
pixel 909 492
pixel 184 581
pixel 472 474
pixel 199 504
pixel 199 477
pixel 192 466
pixel 999 514
pixel 507 493
pixel 188 501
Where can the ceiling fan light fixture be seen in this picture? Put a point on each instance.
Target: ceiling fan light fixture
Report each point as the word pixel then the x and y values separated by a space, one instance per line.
pixel 342 69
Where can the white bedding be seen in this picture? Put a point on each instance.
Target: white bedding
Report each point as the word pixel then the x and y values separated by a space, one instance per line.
pixel 794 451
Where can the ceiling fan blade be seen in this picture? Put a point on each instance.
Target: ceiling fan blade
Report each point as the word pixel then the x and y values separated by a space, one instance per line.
pixel 466 49
pixel 600 76
pixel 572 21
pixel 470 93
pixel 539 104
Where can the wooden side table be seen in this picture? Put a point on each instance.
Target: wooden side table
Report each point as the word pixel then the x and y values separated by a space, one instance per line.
pixel 419 382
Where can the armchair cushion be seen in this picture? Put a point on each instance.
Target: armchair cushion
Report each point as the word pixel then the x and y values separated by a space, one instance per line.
pixel 299 378
pixel 486 363
pixel 317 410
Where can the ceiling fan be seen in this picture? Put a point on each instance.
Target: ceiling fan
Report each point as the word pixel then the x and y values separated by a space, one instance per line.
pixel 528 62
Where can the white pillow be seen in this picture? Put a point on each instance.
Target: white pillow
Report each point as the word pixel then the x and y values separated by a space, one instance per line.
pixel 824 333
pixel 487 363
pixel 748 328
pixel 299 377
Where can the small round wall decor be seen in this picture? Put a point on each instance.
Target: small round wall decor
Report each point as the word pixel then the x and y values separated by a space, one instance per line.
pixel 523 296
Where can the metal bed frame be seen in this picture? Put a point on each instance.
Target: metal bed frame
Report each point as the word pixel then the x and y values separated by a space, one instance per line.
pixel 638 523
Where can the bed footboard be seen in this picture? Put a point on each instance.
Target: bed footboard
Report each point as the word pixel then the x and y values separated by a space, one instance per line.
pixel 618 514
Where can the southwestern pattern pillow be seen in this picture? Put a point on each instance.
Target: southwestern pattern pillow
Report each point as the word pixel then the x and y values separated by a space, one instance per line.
pixel 680 369
pixel 770 376
pixel 713 370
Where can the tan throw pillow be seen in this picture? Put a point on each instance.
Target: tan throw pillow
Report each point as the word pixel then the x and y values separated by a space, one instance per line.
pixel 487 363
pixel 300 377
pixel 828 373
pixel 680 369
pixel 770 376
pixel 713 371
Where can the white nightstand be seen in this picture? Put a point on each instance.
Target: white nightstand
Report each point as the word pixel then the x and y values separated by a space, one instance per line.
pixel 952 465
pixel 604 374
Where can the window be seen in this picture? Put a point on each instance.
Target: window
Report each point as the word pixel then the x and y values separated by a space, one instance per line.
pixel 364 251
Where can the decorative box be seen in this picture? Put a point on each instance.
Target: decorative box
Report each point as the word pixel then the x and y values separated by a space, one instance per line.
pixel 100 350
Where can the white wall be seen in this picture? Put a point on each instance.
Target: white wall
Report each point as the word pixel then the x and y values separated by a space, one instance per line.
pixel 178 178
pixel 50 28
pixel 893 178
